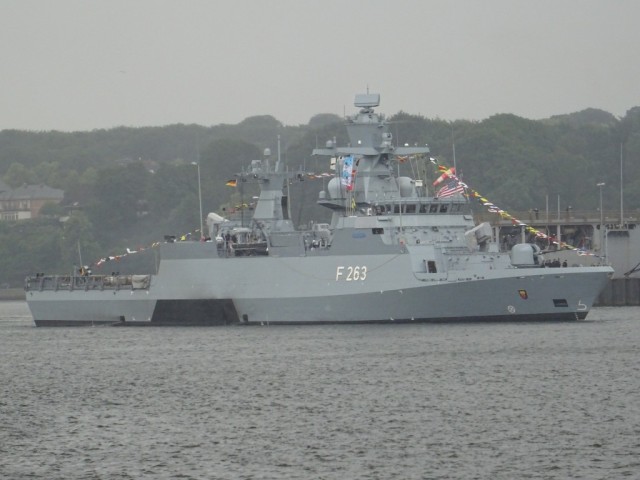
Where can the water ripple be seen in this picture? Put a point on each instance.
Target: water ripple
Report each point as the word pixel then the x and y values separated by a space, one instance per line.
pixel 500 401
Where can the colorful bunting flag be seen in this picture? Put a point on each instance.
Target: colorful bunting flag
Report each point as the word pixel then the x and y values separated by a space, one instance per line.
pixel 449 173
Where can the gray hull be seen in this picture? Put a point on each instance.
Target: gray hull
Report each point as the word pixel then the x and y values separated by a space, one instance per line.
pixel 305 290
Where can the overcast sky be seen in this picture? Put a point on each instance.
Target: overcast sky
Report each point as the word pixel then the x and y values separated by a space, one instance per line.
pixel 80 65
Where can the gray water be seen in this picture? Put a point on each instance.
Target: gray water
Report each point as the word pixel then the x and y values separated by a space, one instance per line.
pixel 499 401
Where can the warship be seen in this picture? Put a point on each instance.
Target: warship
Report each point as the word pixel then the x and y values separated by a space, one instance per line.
pixel 392 252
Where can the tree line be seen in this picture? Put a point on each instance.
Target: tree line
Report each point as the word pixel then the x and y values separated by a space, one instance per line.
pixel 128 187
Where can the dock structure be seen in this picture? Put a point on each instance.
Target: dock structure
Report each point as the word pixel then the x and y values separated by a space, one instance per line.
pixel 620 292
pixel 606 236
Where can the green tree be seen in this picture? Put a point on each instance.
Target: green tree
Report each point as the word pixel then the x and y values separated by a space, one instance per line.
pixel 52 209
pixel 78 242
pixel 27 248
pixel 18 175
pixel 116 199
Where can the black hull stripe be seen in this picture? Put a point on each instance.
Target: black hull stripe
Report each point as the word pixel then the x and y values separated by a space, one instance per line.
pixel 227 315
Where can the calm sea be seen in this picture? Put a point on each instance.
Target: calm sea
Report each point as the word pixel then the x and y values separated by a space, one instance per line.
pixel 498 401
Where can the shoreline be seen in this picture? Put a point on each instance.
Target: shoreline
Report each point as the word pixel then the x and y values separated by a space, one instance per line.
pixel 12 294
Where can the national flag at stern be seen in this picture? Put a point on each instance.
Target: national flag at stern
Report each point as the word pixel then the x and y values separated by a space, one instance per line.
pixel 450 188
pixel 231 183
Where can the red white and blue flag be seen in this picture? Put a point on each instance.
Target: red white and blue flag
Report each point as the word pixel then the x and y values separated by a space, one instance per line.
pixel 450 188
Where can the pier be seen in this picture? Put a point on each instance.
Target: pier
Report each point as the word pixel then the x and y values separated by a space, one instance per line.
pixel 609 237
pixel 620 292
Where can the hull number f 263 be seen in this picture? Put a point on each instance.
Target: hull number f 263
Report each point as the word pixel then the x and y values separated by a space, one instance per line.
pixel 350 273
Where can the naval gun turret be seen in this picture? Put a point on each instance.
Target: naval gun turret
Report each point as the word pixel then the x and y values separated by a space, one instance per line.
pixel 525 255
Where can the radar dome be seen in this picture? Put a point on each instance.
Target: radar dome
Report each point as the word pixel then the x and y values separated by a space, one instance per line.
pixel 407 187
pixel 334 188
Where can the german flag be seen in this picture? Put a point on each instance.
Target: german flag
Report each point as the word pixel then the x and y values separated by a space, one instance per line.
pixel 231 183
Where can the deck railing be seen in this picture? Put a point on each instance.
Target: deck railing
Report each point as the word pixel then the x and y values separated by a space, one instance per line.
pixel 531 217
pixel 87 282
